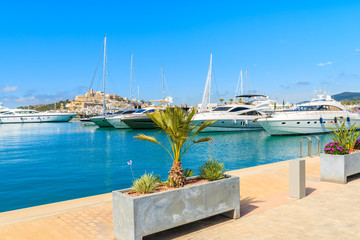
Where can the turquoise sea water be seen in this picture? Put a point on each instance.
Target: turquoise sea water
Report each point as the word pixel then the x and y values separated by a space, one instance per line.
pixel 51 162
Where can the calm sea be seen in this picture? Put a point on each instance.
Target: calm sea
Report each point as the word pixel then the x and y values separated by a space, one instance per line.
pixel 51 162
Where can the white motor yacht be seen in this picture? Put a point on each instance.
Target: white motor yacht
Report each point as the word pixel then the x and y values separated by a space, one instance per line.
pixel 116 121
pixel 310 118
pixel 32 116
pixel 233 117
pixel 140 120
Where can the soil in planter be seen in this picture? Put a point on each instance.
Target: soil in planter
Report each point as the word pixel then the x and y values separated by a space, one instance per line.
pixel 162 188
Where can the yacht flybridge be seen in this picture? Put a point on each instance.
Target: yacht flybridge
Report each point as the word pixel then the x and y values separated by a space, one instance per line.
pixel 260 101
pixel 32 116
pixel 309 118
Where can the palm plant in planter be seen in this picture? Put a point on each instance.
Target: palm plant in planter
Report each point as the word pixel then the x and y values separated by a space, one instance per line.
pixel 180 133
pixel 138 216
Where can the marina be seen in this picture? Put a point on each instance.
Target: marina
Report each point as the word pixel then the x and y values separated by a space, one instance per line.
pixel 253 132
pixel 51 162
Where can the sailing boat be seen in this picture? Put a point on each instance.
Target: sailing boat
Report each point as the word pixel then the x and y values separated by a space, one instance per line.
pixel 205 103
pixel 101 120
pixel 231 117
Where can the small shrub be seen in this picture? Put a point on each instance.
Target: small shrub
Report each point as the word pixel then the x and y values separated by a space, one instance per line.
pixel 188 172
pixel 336 148
pixel 147 183
pixel 212 170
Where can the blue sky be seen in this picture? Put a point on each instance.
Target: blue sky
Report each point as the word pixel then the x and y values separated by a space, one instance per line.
pixel 49 49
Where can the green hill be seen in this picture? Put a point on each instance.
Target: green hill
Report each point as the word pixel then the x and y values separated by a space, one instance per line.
pixel 47 107
pixel 347 96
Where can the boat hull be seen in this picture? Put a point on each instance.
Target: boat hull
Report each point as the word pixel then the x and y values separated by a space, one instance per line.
pixel 227 125
pixel 36 118
pixel 101 122
pixel 117 123
pixel 140 123
pixel 302 127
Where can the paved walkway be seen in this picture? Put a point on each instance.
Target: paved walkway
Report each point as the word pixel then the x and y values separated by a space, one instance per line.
pixel 330 211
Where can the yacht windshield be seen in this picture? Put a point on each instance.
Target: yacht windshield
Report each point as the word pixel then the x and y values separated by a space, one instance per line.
pixel 251 113
pixel 221 109
pixel 317 108
pixel 128 112
pixel 119 112
pixel 238 109
pixel 140 111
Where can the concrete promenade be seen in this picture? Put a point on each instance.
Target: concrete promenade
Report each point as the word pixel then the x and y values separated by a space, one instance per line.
pixel 330 211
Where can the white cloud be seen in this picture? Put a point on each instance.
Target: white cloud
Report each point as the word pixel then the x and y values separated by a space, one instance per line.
pixel 9 89
pixel 26 99
pixel 357 50
pixel 323 64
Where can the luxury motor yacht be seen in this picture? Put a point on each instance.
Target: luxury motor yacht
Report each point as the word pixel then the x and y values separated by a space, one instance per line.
pixel 234 117
pixel 116 120
pixel 141 120
pixel 32 116
pixel 309 118
pixel 102 120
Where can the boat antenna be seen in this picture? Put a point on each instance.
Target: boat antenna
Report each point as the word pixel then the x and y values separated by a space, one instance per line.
pixel 104 71
pixel 163 91
pixel 131 80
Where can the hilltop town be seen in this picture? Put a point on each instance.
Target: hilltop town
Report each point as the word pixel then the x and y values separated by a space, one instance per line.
pixel 91 103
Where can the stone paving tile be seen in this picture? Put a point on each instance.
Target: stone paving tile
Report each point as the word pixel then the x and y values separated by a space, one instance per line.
pixel 330 211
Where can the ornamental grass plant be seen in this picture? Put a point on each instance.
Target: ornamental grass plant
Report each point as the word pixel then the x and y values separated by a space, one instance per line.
pixel 212 170
pixel 147 183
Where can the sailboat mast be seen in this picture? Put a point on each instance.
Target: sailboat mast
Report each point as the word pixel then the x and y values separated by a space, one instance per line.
pixel 104 71
pixel 237 85
pixel 247 82
pixel 207 91
pixel 131 80
pixel 163 91
pixel 241 83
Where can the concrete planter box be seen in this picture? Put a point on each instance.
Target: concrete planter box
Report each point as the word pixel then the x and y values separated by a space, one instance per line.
pixel 135 217
pixel 336 168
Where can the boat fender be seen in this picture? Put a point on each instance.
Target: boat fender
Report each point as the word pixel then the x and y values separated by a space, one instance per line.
pixel 321 120
pixel 235 120
pixel 348 119
pixel 246 122
pixel 335 120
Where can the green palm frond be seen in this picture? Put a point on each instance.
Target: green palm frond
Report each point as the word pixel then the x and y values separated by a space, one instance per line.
pixel 147 138
pixel 205 139
pixel 179 129
pixel 203 126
